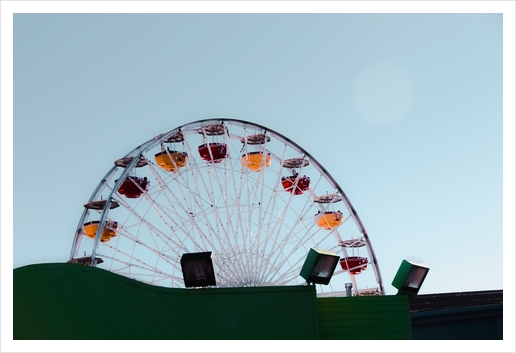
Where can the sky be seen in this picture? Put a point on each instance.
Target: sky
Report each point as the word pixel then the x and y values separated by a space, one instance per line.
pixel 404 110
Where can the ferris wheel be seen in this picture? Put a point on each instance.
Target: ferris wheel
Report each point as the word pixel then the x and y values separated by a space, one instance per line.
pixel 254 199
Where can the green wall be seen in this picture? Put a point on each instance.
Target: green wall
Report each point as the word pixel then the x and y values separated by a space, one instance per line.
pixel 365 318
pixel 72 301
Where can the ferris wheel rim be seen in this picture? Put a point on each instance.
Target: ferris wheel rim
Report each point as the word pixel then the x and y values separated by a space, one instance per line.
pixel 137 152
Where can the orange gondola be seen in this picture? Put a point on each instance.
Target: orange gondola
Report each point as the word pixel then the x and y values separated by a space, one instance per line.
pixel 171 161
pixel 330 220
pixel 109 231
pixel 256 161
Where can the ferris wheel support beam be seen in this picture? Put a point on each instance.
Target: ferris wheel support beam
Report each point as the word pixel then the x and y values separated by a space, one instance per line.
pixel 85 212
pixel 100 186
pixel 370 246
pixel 104 213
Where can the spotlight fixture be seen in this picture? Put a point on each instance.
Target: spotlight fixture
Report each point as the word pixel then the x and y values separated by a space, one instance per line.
pixel 319 266
pixel 198 269
pixel 410 277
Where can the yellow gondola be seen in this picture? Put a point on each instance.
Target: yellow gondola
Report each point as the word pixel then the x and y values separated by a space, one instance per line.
pixel 109 231
pixel 171 161
pixel 255 161
pixel 330 220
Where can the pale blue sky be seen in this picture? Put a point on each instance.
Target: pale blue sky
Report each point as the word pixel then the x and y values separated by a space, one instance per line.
pixel 403 110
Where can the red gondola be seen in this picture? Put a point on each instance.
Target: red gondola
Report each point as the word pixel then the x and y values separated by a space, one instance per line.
pixel 290 185
pixel 133 187
pixel 213 152
pixel 355 264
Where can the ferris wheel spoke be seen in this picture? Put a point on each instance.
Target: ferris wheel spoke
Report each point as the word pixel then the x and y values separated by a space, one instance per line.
pixel 270 204
pixel 224 226
pixel 137 242
pixel 149 271
pixel 125 255
pixel 255 212
pixel 234 213
pixel 165 191
pixel 140 219
pixel 192 214
pixel 179 219
pixel 297 243
pixel 246 200
pixel 211 214
pixel 277 232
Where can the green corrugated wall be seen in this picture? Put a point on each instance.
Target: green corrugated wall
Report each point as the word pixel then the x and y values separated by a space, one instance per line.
pixel 71 301
pixel 365 318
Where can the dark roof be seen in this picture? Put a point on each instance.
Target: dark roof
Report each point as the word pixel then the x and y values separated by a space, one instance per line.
pixel 453 300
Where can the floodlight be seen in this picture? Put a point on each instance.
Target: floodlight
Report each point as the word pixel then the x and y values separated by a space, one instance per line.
pixel 410 277
pixel 198 269
pixel 319 266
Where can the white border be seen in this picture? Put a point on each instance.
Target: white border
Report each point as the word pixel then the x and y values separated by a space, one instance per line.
pixel 256 6
pixel 8 8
